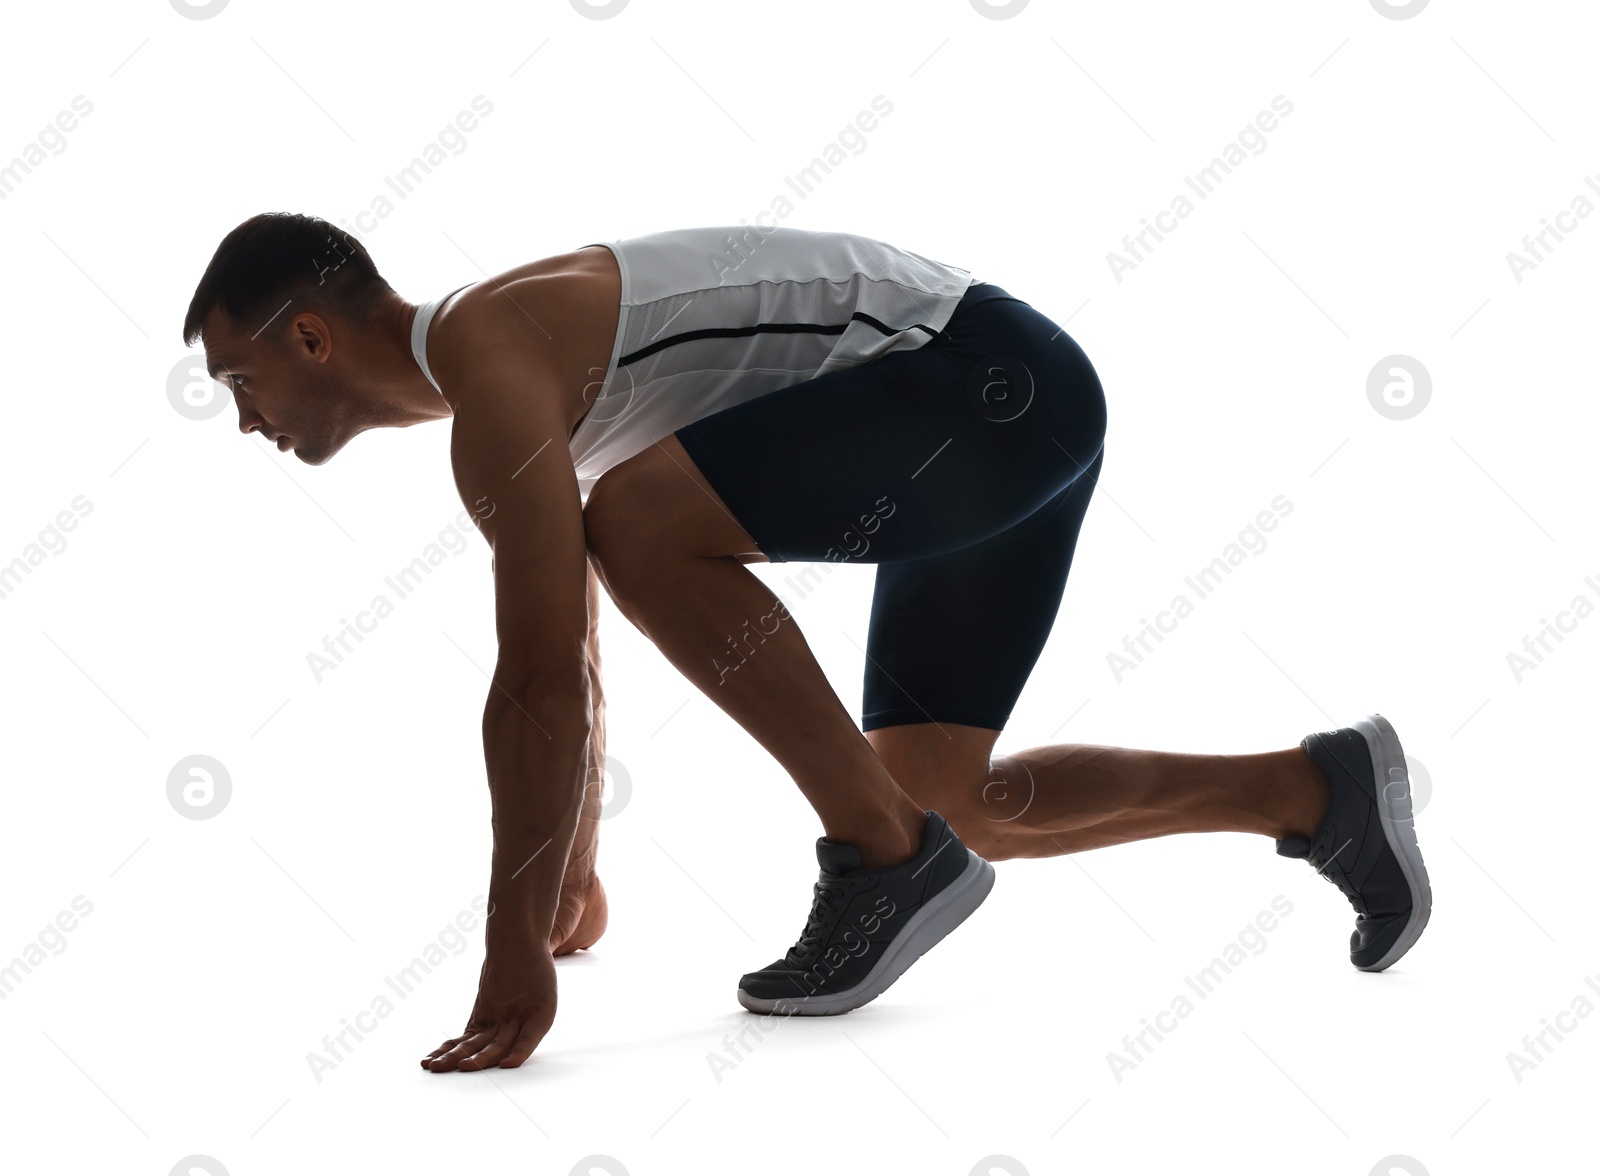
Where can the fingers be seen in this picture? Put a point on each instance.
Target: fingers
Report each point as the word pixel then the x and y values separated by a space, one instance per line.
pixel 510 1045
pixel 527 1041
pixel 450 1042
pixel 491 1053
pixel 448 1056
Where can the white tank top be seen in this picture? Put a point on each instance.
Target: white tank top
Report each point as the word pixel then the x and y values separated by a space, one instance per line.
pixel 712 317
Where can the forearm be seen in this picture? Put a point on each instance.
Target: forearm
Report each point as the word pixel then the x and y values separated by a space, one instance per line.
pixel 586 840
pixel 535 750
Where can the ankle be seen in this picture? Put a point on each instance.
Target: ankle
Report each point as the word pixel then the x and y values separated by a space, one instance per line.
pixel 1306 798
pixel 892 841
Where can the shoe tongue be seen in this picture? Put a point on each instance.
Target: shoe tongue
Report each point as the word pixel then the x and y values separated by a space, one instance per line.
pixel 837 857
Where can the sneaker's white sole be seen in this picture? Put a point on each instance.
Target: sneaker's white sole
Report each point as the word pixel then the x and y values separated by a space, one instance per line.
pixel 1399 828
pixel 938 917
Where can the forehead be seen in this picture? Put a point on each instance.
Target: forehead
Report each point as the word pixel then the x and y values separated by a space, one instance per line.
pixel 225 348
pixel 228 345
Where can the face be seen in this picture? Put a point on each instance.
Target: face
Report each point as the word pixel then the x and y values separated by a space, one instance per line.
pixel 285 382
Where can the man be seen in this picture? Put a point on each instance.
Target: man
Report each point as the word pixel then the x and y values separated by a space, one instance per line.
pixel 734 395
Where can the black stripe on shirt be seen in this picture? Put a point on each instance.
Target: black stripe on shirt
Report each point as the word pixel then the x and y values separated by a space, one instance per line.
pixel 758 328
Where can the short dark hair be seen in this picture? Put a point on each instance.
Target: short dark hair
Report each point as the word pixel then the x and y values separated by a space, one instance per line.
pixel 275 257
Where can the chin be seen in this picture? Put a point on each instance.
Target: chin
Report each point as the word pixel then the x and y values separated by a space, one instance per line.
pixel 315 456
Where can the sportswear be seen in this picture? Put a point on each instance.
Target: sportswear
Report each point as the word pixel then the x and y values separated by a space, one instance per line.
pixel 962 469
pixel 1366 843
pixel 715 316
pixel 867 926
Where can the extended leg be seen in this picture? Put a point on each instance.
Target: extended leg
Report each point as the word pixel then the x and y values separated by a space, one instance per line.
pixel 1045 801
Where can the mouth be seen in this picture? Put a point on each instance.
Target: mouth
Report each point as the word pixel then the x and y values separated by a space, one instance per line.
pixel 283 443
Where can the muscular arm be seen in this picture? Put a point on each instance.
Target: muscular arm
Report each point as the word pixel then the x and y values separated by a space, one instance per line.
pixel 514 474
pixel 537 720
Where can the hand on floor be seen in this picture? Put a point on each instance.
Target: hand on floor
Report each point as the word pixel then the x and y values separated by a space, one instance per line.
pixel 515 1008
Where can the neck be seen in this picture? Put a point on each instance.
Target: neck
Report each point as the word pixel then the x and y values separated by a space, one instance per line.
pixel 394 375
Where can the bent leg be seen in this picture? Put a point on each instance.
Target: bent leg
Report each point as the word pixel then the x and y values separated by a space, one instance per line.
pixel 924 452
pixel 671 556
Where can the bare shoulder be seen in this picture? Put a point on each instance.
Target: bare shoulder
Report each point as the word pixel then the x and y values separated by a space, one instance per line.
pixel 490 327
pixel 537 328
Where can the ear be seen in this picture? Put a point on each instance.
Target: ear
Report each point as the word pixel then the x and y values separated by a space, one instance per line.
pixel 312 336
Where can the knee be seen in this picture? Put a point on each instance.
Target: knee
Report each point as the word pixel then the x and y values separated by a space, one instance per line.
pixel 980 831
pixel 973 806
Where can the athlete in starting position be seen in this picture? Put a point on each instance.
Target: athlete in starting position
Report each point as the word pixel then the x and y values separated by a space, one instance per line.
pixel 733 395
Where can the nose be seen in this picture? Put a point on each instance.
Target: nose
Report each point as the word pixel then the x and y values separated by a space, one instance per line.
pixel 249 420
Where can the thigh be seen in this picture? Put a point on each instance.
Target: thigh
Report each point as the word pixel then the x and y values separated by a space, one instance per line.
pixel 954 637
pixel 922 453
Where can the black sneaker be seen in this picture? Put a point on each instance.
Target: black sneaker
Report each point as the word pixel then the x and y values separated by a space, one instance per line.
pixel 868 926
pixel 1366 843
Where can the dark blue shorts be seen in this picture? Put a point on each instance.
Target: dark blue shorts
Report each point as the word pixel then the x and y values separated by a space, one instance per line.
pixel 961 468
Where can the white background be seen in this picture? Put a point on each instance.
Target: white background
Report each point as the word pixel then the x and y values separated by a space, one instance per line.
pixel 177 1018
